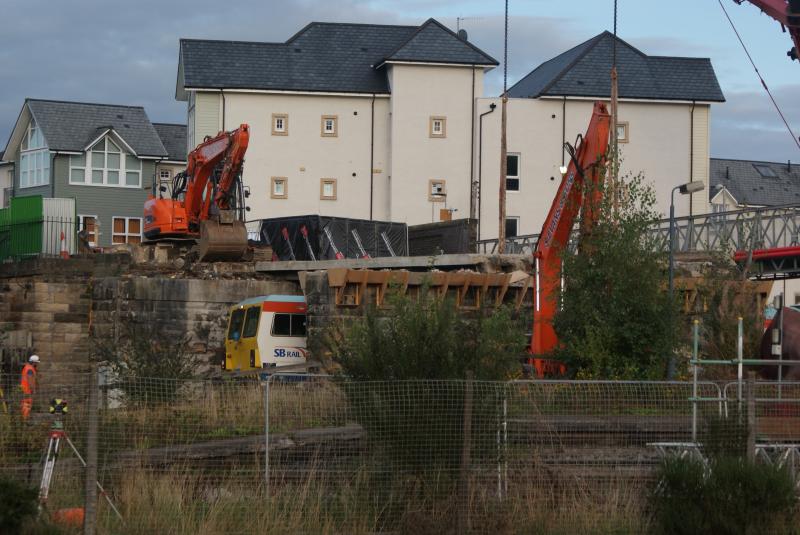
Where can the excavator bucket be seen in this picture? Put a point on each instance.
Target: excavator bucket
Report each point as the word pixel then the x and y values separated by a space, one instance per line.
pixel 222 241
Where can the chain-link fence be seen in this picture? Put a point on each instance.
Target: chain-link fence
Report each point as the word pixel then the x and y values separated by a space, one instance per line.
pixel 326 455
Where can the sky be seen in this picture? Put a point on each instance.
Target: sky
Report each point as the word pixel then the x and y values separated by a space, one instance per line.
pixel 127 52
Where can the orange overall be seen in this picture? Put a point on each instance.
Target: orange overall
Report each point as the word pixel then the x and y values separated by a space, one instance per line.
pixel 27 384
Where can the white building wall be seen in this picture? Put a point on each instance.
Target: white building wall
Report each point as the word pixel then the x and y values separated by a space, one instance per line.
pixel 418 93
pixel 659 147
pixel 304 156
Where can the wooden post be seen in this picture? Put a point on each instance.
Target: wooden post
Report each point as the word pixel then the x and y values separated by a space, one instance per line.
pixel 751 416
pixel 464 523
pixel 90 492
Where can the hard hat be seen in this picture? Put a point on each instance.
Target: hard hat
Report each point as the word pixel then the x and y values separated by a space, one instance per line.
pixel 34 359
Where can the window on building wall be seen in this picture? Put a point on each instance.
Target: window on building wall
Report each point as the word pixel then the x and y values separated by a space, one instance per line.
pixel 329 126
pixel 512 172
pixel 280 124
pixel 34 160
pixel 512 227
pixel 437 190
pixel 126 230
pixel 87 226
pixel 105 164
pixel 327 189
pixel 622 132
pixel 438 127
pixel 164 175
pixel 279 188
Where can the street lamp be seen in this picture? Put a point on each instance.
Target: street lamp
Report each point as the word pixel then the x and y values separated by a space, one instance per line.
pixel 684 189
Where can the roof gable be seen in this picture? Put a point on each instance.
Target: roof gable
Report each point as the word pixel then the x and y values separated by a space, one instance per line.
pixel 433 42
pixel 583 71
pixel 71 126
pixel 743 181
pixel 325 57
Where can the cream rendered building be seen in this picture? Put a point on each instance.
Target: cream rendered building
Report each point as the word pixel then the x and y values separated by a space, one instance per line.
pixel 663 126
pixel 352 120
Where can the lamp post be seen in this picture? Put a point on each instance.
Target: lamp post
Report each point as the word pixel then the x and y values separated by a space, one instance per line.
pixel 684 189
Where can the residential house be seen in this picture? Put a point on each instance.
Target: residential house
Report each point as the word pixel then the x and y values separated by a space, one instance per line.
pixel 104 156
pixel 738 184
pixel 358 120
pixel 663 128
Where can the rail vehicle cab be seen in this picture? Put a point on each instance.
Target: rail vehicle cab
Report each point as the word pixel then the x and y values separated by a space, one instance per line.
pixel 266 332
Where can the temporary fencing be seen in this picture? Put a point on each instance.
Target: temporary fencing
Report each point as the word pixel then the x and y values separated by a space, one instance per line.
pixel 298 453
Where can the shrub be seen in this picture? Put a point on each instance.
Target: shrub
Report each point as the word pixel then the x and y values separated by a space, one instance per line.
pixel 396 367
pixel 17 505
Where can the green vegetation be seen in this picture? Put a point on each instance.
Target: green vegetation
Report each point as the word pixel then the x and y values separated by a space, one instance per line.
pixel 17 505
pixel 142 352
pixel 617 320
pixel 725 493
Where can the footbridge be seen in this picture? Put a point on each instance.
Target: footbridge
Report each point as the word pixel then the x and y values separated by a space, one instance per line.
pixel 765 241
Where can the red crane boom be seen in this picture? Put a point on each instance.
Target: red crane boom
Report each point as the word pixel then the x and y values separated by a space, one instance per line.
pixel 787 13
pixel 584 177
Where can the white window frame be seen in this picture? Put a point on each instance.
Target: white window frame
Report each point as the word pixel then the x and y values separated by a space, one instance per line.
pixel 322 183
pixel 334 130
pixel 442 132
pixel 81 219
pixel 625 137
pixel 514 177
pixel 272 182
pixel 284 129
pixel 126 234
pixel 512 218
pixel 123 166
pixel 164 174
pixel 30 154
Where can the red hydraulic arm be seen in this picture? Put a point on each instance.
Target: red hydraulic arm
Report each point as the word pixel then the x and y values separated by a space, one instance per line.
pixel 585 168
pixel 787 13
pixel 202 161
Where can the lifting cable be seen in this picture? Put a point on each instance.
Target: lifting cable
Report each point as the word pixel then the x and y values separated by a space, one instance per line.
pixel 763 83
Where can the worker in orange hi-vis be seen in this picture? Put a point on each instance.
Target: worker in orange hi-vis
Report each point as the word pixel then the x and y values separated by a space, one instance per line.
pixel 28 384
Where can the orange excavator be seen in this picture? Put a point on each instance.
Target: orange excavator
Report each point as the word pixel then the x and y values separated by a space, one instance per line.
pixel 206 203
pixel 581 187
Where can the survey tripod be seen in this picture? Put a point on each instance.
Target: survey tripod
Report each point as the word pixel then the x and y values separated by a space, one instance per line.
pixel 57 438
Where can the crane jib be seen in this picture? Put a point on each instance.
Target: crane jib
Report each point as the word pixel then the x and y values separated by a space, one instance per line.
pixel 551 228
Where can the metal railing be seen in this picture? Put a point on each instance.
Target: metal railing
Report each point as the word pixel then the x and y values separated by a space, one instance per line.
pixel 45 237
pixel 734 230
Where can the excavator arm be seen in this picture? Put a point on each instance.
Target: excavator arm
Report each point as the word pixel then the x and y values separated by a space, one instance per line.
pixel 581 187
pixel 787 13
pixel 203 161
pixel 205 201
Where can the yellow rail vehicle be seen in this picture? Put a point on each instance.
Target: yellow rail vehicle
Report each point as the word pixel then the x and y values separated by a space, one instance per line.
pixel 266 332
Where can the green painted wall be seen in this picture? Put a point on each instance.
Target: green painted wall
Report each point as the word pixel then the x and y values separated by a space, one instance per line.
pixel 21 228
pixel 104 202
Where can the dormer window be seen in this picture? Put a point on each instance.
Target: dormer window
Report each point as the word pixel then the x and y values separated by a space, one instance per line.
pixel 34 160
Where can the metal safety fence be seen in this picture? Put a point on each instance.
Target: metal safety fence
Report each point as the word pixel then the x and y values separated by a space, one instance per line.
pixel 43 237
pixel 318 454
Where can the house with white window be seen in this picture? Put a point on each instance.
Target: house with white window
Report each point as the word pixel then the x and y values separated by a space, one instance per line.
pixel 103 156
pixel 662 127
pixel 353 120
pixel 173 137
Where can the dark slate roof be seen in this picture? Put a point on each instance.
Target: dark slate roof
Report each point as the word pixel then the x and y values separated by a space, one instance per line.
pixel 434 42
pixel 173 137
pixel 749 187
pixel 70 126
pixel 321 57
pixel 584 71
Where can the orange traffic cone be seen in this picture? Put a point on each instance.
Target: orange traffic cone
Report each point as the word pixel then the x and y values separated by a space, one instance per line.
pixel 64 251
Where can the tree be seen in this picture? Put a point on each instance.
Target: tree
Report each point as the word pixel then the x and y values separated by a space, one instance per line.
pixel 617 320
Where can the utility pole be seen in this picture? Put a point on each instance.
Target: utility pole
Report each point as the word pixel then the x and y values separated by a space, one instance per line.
pixel 614 175
pixel 501 233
